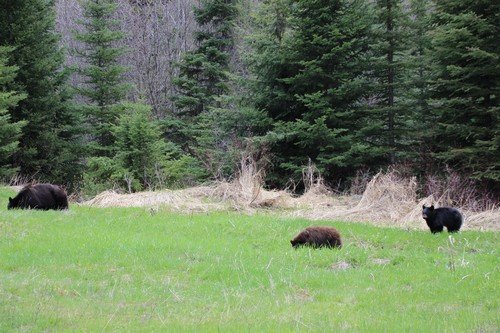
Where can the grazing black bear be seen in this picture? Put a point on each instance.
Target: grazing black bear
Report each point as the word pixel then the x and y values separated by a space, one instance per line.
pixel 40 196
pixel 318 237
pixel 437 218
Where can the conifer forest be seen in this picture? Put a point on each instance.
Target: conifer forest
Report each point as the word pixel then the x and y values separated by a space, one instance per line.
pixel 151 94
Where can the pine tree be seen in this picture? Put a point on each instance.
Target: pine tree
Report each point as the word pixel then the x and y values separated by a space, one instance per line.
pixel 204 71
pixel 309 67
pixel 103 86
pixel 9 132
pixel 465 114
pixel 267 59
pixel 415 97
pixel 140 149
pixel 204 89
pixel 49 145
pixel 388 114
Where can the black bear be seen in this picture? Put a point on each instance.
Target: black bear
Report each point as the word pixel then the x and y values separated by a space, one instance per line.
pixel 40 196
pixel 437 218
pixel 318 237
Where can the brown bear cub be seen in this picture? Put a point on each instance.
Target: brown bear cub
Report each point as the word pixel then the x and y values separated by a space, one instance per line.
pixel 318 237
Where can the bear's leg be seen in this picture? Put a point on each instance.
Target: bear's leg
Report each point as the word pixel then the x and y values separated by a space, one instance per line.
pixel 435 230
pixel 453 228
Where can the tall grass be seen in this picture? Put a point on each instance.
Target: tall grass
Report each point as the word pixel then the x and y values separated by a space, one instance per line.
pixel 131 269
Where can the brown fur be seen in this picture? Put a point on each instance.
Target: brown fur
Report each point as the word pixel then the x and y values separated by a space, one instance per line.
pixel 318 237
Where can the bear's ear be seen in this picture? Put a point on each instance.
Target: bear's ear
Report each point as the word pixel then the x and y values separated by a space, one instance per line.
pixel 431 207
pixel 10 199
pixel 423 207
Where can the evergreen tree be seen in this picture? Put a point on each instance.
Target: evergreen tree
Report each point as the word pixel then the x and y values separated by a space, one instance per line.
pixel 465 117
pixel 10 132
pixel 388 115
pixel 204 71
pixel 49 145
pixel 140 149
pixel 309 69
pixel 204 88
pixel 415 97
pixel 103 86
pixel 142 159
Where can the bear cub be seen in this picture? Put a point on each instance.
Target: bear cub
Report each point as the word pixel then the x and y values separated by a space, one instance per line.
pixel 318 237
pixel 437 218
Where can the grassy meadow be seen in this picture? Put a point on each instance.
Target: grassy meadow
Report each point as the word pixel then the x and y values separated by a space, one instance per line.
pixel 130 269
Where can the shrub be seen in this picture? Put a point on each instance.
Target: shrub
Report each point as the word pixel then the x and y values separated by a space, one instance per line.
pixel 140 149
pixel 104 173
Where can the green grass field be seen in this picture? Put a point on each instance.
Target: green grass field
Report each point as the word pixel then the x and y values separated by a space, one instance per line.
pixel 90 269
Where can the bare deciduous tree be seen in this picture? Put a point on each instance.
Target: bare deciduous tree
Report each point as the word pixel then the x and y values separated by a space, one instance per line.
pixel 157 33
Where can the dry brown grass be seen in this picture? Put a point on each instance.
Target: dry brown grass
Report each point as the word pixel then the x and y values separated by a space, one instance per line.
pixel 194 199
pixel 391 200
pixel 454 189
pixel 21 181
pixel 246 191
pixel 388 200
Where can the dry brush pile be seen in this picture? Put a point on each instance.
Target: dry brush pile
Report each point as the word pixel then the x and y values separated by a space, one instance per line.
pixel 388 200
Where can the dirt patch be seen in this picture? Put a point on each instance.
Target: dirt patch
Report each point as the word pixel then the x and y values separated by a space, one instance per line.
pixel 340 266
pixel 381 261
pixel 304 295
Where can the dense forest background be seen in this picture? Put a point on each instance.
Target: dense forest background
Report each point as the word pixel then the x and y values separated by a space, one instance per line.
pixel 148 94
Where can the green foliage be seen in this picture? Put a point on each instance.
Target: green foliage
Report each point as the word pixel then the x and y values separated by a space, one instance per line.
pixel 309 70
pixel 181 168
pixel 126 145
pixel 104 173
pixel 222 135
pixel 387 114
pixel 465 117
pixel 349 84
pixel 210 116
pixel 415 97
pixel 49 147
pixel 103 88
pixel 204 71
pixel 10 132
pixel 353 85
pixel 141 158
pixel 139 146
pixel 184 170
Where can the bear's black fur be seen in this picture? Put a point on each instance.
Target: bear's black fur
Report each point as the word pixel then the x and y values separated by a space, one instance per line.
pixel 437 218
pixel 40 196
pixel 318 237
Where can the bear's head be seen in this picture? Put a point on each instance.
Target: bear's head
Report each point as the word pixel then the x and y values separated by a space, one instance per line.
pixel 427 211
pixel 14 202
pixel 301 238
pixel 10 205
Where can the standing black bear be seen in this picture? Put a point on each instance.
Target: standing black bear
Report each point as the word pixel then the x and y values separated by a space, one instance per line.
pixel 437 218
pixel 40 196
pixel 318 237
